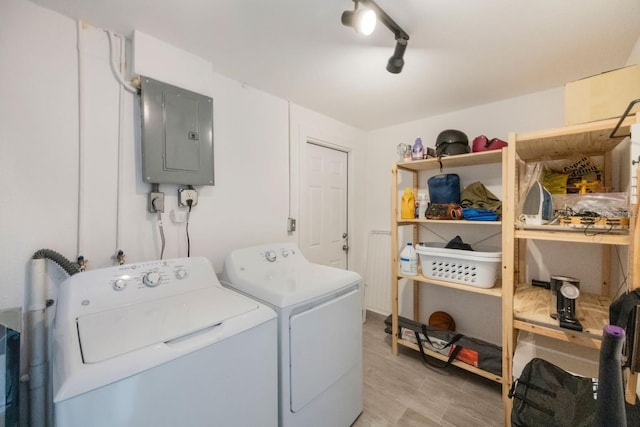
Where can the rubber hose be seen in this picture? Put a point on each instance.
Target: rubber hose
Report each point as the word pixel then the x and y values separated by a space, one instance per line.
pixel 69 267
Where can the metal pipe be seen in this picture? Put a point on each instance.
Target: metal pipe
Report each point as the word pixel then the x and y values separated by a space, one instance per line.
pixel 36 307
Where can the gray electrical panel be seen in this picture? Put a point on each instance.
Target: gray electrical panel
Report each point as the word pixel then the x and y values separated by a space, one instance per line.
pixel 177 135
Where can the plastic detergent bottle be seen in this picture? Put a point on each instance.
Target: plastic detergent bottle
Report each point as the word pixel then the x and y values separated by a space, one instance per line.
pixel 408 207
pixel 409 261
pixel 417 153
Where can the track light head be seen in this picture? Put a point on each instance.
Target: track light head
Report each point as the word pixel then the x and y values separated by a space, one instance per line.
pixel 363 20
pixel 396 62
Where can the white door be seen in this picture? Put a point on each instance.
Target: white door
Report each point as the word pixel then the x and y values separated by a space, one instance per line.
pixel 323 206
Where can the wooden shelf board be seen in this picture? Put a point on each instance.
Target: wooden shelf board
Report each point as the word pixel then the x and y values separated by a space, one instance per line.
pixel 495 291
pixel 531 313
pixel 560 234
pixel 482 158
pixel 588 139
pixel 457 363
pixel 446 221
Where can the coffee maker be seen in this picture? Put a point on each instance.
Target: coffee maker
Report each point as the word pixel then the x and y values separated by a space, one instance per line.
pixel 564 295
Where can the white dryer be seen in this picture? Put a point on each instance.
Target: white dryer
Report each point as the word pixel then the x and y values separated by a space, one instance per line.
pixel 162 343
pixel 320 331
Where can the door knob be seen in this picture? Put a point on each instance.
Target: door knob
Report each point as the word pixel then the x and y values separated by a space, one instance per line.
pixel 345 247
pixel 344 235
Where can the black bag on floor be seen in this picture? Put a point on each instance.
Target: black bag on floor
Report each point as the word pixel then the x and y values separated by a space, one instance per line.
pixel 471 351
pixel 546 395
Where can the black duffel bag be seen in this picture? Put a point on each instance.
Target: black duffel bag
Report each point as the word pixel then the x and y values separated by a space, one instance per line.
pixel 471 351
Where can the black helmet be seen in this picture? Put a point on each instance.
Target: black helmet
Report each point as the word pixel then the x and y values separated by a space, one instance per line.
pixel 451 142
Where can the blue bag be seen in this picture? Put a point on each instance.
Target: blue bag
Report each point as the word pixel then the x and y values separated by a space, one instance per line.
pixel 444 188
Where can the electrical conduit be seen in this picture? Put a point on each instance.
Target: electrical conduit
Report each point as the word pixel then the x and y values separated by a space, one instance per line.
pixel 119 252
pixel 81 137
pixel 118 71
pixel 114 68
pixel 37 332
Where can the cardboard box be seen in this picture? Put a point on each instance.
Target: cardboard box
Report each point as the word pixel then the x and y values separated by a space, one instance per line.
pixel 603 96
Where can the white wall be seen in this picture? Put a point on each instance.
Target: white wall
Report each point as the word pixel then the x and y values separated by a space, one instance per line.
pixel 38 140
pixel 634 57
pixel 39 135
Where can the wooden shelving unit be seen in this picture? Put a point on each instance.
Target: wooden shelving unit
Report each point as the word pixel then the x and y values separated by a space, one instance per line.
pixel 496 157
pixel 531 313
pixel 526 307
pixel 495 291
pixel 556 234
pixel 457 363
pixel 447 221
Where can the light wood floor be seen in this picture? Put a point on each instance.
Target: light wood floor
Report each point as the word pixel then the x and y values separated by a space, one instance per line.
pixel 401 391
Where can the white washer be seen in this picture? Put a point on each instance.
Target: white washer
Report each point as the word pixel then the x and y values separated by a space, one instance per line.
pixel 320 331
pixel 162 343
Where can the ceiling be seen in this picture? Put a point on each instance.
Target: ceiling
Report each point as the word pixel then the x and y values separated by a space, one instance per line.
pixel 460 53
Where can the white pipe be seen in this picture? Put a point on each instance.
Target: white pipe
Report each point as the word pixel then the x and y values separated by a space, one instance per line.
pixel 118 75
pixel 36 306
pixel 81 139
pixel 120 148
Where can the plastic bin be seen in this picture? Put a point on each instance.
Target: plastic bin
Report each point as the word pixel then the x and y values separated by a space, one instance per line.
pixel 477 268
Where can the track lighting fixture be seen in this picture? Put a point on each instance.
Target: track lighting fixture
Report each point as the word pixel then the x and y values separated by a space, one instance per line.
pixel 363 20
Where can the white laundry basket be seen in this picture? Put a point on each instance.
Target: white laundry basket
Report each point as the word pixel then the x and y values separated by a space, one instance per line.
pixel 477 268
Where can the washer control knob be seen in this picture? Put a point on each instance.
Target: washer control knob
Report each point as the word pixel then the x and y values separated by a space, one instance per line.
pixel 119 284
pixel 284 253
pixel 181 274
pixel 151 279
pixel 270 256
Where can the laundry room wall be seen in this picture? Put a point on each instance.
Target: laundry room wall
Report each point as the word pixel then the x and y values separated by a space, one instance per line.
pixel 634 57
pixel 67 185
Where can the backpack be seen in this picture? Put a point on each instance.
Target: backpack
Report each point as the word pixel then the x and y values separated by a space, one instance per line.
pixel 547 395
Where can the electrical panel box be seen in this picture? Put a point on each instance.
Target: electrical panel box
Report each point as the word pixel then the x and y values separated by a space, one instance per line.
pixel 177 135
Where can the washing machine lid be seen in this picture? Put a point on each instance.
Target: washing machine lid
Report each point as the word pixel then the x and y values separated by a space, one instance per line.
pixel 286 287
pixel 111 333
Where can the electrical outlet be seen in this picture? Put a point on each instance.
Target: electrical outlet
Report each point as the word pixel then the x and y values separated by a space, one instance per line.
pixel 291 225
pixel 185 194
pixel 156 202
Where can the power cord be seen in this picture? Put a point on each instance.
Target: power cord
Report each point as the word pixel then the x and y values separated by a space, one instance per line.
pixel 156 205
pixel 161 234
pixel 160 227
pixel 190 205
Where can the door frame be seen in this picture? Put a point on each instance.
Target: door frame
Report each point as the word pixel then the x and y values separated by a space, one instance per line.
pixel 299 139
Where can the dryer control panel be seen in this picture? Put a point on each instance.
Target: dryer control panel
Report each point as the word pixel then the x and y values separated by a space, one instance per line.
pixel 279 253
